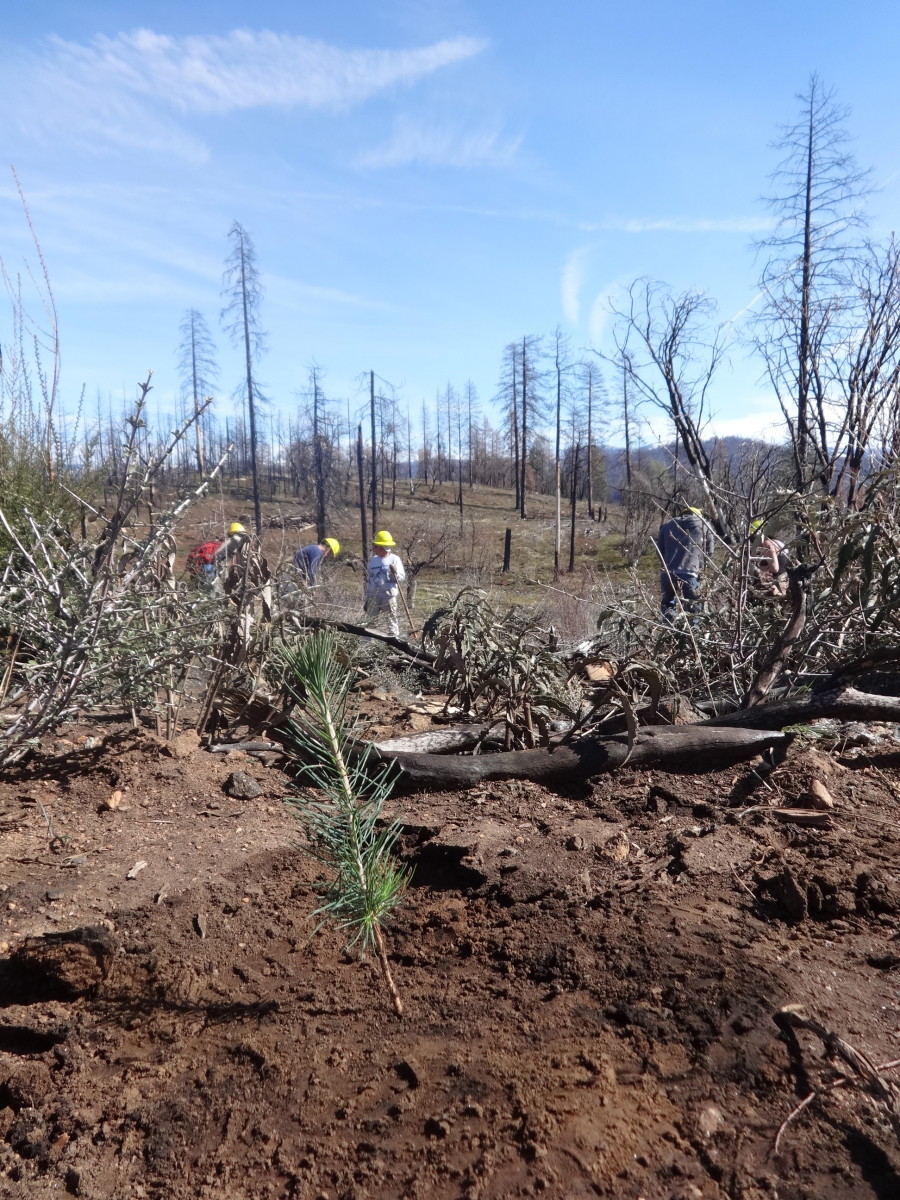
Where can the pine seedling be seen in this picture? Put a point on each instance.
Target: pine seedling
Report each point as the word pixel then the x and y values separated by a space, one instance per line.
pixel 365 881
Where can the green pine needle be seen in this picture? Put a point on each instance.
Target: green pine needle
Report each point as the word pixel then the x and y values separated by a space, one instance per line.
pixel 365 880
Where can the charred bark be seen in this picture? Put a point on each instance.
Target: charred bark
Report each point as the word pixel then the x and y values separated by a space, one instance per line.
pixel 844 703
pixel 696 746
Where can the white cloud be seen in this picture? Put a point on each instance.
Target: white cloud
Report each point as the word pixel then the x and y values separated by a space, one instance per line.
pixel 762 421
pixel 684 225
pixel 601 312
pixel 126 89
pixel 439 144
pixel 571 283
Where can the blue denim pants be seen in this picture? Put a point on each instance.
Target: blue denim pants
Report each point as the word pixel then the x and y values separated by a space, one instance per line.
pixel 675 584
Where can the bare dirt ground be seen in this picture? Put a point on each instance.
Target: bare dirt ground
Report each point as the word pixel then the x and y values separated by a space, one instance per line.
pixel 590 977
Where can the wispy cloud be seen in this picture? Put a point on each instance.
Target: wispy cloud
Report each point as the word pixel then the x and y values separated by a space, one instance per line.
pixel 127 89
pixel 441 144
pixel 601 311
pixel 682 225
pixel 571 283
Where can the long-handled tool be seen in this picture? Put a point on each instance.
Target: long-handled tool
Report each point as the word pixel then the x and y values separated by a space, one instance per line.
pixel 412 632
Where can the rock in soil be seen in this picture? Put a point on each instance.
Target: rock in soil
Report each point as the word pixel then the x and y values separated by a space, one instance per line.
pixel 241 786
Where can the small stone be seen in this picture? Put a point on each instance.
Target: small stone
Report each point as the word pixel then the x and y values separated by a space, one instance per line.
pixel 819 796
pixel 617 847
pixel 241 786
pixel 575 842
pixel 435 1128
pixel 113 802
pixel 710 1120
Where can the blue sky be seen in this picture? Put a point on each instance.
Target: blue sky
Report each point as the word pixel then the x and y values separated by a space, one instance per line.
pixel 423 181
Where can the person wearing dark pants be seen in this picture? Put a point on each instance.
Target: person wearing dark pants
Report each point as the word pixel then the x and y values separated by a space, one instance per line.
pixel 684 543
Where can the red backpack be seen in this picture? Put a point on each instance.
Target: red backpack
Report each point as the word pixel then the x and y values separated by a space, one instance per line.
pixel 202 556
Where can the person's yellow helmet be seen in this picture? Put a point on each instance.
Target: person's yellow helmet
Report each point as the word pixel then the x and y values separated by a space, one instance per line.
pixel 236 527
pixel 333 545
pixel 698 512
pixel 383 538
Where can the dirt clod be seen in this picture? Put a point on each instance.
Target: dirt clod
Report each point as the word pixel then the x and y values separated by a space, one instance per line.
pixel 241 786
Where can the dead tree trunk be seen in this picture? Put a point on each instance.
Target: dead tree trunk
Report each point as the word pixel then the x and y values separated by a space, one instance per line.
pixel 774 661
pixel 845 704
pixel 672 746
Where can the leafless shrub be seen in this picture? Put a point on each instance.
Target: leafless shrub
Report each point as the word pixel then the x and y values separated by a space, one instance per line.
pixel 99 620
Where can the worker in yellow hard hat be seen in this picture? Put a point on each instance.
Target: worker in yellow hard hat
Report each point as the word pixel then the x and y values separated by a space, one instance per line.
pixel 384 575
pixel 207 558
pixel 308 559
pixel 684 544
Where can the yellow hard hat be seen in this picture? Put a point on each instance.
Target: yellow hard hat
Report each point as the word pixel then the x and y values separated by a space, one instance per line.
pixel 698 512
pixel 236 527
pixel 383 538
pixel 333 545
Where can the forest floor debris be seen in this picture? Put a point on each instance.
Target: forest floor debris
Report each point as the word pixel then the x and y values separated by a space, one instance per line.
pixel 591 974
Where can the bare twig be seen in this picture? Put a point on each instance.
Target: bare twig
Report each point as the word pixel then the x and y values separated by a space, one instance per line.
pixel 865 1073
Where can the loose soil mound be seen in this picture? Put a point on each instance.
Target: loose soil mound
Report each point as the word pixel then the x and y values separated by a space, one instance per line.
pixel 590 979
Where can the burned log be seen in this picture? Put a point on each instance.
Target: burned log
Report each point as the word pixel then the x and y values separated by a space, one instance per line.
pixel 694 746
pixel 844 703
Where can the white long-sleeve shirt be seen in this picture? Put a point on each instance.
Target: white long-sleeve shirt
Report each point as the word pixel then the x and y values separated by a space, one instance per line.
pixel 382 576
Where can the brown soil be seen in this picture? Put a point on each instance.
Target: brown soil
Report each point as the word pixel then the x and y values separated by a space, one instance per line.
pixel 590 978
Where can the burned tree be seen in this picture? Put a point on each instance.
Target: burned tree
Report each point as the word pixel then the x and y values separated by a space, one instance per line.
pixel 242 290
pixel 819 189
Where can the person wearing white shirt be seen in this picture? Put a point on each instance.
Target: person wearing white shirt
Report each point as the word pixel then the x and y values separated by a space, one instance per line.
pixel 384 575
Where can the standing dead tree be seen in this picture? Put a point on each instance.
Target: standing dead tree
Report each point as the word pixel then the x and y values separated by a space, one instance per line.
pixel 819 188
pixel 866 366
pixel 669 354
pixel 197 364
pixel 242 290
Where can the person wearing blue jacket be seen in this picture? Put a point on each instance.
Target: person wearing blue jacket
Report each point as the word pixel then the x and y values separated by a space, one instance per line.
pixel 684 544
pixel 308 559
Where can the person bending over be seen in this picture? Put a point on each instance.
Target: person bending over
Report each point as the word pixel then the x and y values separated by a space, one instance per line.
pixel 308 559
pixel 684 544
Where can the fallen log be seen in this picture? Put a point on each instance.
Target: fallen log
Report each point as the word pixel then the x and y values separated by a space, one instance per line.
pixel 844 703
pixel 422 657
pixel 696 746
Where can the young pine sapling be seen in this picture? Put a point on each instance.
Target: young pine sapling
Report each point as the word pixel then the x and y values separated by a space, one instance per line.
pixel 365 881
